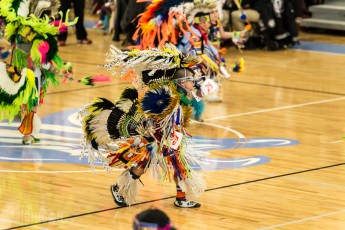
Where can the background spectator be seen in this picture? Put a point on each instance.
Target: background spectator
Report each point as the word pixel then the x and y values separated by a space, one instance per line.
pixel 105 13
pixel 278 24
pixel 79 6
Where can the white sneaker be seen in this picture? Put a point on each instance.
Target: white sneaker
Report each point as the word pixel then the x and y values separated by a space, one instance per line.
pixel 214 97
pixel 184 203
pixel 118 199
pixel 28 140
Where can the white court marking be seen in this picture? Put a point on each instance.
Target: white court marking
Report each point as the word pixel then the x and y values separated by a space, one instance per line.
pixel 52 172
pixel 338 141
pixel 275 109
pixel 304 180
pixel 303 220
pixel 238 134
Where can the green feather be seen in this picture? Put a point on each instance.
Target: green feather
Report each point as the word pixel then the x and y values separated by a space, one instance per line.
pixel 20 58
pixel 86 81
pixel 27 94
pixel 50 78
pixel 35 54
pixel 58 61
pixel 11 31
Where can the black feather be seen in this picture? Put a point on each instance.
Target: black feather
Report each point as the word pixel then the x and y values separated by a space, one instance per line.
pixel 130 93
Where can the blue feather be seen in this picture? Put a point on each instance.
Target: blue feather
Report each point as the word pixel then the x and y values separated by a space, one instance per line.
pixel 198 109
pixel 156 101
pixel 4 55
pixel 178 118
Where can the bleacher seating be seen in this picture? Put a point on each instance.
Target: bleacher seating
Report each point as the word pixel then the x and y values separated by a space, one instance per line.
pixel 330 15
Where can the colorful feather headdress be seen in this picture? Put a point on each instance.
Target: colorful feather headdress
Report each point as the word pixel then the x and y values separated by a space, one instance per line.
pixel 149 65
pixel 200 6
pixel 33 43
pixel 39 7
pixel 38 32
pixel 163 20
pixel 16 13
pixel 26 7
pixel 157 24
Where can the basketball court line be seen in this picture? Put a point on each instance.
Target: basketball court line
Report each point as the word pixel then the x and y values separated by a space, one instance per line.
pixel 275 109
pixel 239 135
pixel 14 222
pixel 236 81
pixel 305 180
pixel 303 220
pixel 54 172
pixel 291 88
pixel 338 141
pixel 170 197
pixel 258 63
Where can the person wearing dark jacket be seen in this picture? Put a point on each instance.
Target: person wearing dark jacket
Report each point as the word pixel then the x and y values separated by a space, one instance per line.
pixel 126 19
pixel 81 33
pixel 275 21
pixel 121 7
pixel 130 19
pixel 278 24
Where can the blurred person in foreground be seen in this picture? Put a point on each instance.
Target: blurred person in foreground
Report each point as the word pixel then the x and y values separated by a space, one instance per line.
pixel 151 219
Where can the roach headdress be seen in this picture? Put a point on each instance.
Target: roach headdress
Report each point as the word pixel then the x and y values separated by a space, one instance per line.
pixel 147 66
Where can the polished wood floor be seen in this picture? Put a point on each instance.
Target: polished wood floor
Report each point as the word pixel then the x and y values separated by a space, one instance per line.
pixel 291 94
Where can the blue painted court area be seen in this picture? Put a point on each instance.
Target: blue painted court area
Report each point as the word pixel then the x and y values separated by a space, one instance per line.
pixel 320 47
pixel 61 135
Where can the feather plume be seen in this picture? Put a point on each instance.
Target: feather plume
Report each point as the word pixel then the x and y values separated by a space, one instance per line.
pixel 11 101
pixel 129 188
pixel 168 57
pixel 39 51
pixel 204 6
pixel 160 15
pixel 91 80
pixel 239 66
pixel 157 100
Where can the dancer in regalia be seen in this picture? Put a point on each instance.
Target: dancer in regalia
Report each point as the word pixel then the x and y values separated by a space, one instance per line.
pixel 33 63
pixel 145 130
